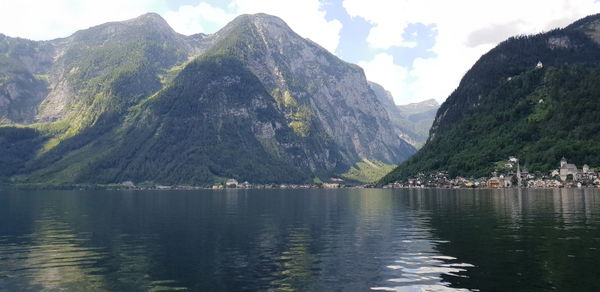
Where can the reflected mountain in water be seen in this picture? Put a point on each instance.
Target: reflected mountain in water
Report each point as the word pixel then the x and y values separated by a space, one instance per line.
pixel 307 240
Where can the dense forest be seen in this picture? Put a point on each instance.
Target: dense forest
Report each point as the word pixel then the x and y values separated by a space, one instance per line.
pixel 508 106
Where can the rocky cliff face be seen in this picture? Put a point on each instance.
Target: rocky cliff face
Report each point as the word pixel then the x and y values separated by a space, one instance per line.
pixel 63 68
pixel 299 71
pixel 417 119
pixel 411 121
pixel 23 79
pixel 134 100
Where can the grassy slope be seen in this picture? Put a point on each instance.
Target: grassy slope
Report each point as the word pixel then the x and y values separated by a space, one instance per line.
pixel 368 172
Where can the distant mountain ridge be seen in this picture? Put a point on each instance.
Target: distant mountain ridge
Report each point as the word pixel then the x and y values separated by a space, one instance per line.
pixel 411 121
pixel 534 97
pixel 136 101
pixel 418 119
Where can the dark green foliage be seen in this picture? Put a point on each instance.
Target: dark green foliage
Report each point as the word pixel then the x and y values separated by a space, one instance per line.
pixel 185 136
pixel 511 58
pixel 192 132
pixel 511 120
pixel 17 146
pixel 129 73
pixel 120 72
pixel 539 115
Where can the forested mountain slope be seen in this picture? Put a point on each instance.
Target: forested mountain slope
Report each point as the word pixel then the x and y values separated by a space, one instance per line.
pixel 535 97
pixel 135 101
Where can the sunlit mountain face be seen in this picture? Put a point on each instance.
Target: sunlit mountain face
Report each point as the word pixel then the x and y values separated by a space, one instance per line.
pixel 134 101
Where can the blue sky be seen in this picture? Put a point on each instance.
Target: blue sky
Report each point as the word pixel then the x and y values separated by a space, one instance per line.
pixel 417 49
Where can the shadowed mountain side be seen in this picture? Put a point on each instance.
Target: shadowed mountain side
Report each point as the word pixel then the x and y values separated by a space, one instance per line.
pixel 534 97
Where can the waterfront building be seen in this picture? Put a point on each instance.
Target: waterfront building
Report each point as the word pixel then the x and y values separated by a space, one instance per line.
pixel 567 169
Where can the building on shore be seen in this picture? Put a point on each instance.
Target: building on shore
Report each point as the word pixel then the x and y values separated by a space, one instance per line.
pixel 493 183
pixel 499 182
pixel 553 184
pixel 231 183
pixel 567 169
pixel 538 183
pixel 331 185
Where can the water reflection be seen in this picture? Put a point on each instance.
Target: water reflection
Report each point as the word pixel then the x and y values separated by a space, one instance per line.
pixel 296 262
pixel 532 240
pixel 415 263
pixel 50 257
pixel 310 240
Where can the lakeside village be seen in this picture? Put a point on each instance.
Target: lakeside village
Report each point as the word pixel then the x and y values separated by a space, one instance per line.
pixel 234 184
pixel 510 175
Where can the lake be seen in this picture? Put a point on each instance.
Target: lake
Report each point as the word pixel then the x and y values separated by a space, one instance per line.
pixel 307 240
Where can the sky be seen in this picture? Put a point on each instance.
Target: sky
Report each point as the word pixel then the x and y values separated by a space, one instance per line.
pixel 416 49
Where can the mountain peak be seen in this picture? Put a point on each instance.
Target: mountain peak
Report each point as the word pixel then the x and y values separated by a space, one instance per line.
pixel 124 30
pixel 255 30
pixel 421 104
pixel 261 21
pixel 260 17
pixel 430 102
pixel 149 19
pixel 151 16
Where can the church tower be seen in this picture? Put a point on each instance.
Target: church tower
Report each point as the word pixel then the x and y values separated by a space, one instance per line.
pixel 563 162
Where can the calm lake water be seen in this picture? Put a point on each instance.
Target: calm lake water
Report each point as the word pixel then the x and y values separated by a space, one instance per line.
pixel 308 240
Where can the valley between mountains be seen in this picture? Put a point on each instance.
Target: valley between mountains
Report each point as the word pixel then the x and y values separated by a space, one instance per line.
pixel 136 102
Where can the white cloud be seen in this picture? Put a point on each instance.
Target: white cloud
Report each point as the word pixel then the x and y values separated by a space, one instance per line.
pixel 382 70
pixel 307 18
pixel 44 20
pixel 49 19
pixel 466 29
pixel 188 19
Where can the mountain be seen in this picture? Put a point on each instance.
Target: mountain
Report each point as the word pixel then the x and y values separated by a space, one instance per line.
pixel 418 119
pixel 411 121
pixel 136 101
pixel 535 97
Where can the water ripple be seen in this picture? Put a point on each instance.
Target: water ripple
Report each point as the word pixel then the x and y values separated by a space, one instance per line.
pixel 346 240
pixel 423 271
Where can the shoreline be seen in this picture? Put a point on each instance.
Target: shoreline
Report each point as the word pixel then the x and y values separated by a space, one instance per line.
pixel 118 187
